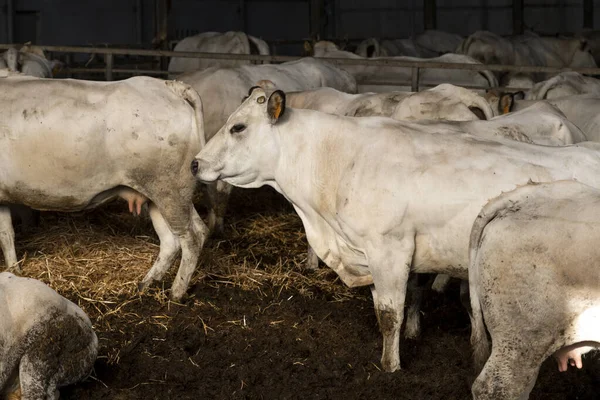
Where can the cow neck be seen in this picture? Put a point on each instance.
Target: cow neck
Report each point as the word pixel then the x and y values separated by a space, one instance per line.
pixel 314 151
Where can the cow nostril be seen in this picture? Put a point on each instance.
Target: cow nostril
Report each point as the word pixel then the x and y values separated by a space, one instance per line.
pixel 194 167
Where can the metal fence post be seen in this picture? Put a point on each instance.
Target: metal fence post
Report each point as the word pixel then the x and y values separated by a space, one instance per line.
pixel 109 67
pixel 414 84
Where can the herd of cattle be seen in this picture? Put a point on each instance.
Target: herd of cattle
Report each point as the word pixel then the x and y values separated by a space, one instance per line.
pixel 498 189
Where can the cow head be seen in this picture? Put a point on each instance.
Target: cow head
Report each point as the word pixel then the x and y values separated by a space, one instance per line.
pixel 582 55
pixel 244 152
pixel 502 102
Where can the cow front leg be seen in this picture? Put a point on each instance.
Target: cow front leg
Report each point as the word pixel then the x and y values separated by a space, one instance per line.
pixel 218 196
pixel 440 284
pixel 390 263
pixel 312 260
pixel 7 240
pixel 416 286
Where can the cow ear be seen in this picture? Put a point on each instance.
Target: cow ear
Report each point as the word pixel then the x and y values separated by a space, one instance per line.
pixel 478 112
pixel 308 48
pixel 276 106
pixel 506 103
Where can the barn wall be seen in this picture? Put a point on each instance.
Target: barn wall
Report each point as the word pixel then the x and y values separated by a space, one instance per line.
pixel 79 22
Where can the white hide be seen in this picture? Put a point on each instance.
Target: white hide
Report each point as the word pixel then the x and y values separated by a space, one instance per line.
pixel 445 101
pixel 534 283
pixel 99 140
pixel 541 124
pixel 428 77
pixel 582 110
pixel 222 90
pixel 527 49
pixel 563 85
pixel 422 190
pixel 215 42
pixel 46 341
pixel 29 60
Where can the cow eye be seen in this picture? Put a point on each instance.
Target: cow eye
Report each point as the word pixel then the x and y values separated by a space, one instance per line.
pixel 237 128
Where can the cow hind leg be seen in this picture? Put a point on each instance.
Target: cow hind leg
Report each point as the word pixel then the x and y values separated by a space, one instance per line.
pixel 7 240
pixel 169 248
pixel 37 379
pixel 192 242
pixel 507 374
pixel 390 267
pixel 178 226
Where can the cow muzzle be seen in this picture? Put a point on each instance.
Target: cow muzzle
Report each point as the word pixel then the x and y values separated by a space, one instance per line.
pixel 202 171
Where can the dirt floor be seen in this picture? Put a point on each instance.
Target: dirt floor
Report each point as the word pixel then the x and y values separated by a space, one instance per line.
pixel 255 324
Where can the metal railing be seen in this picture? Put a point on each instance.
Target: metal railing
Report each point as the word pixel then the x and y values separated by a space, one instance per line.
pixel 416 66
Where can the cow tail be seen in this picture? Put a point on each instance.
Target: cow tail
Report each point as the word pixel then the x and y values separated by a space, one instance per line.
pixel 191 96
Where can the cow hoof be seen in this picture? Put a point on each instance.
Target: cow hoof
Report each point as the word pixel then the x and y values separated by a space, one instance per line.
pixel 412 330
pixel 177 292
pixel 390 366
pixel 141 286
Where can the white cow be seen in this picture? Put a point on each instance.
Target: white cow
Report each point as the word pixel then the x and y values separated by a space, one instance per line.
pixel 380 198
pixel 563 85
pixel 534 280
pixel 222 91
pixel 528 49
pixel 96 141
pixel 541 123
pixel 582 110
pixel 333 101
pixel 215 42
pixel 29 60
pixel 430 43
pixel 445 101
pixel 427 77
pixel 46 341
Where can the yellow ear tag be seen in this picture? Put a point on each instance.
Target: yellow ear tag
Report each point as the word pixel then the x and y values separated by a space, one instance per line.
pixel 506 109
pixel 261 99
pixel 277 111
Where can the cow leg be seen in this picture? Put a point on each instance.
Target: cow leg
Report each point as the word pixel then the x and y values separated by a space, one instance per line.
pixel 416 286
pixel 7 241
pixel 389 263
pixel 509 373
pixel 169 248
pixel 440 283
pixel 37 379
pixel 218 196
pixel 192 242
pixel 312 260
pixel 465 298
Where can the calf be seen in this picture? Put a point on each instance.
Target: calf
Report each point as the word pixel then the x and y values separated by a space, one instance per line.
pixel 46 341
pixel 534 281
